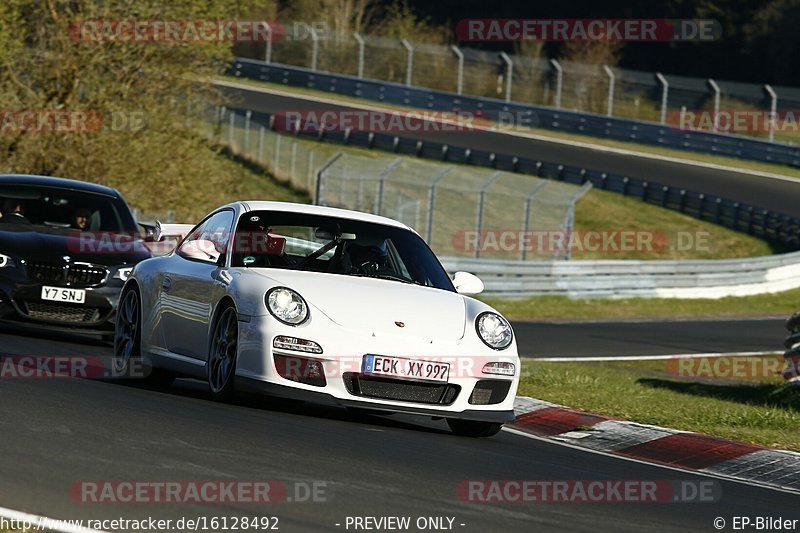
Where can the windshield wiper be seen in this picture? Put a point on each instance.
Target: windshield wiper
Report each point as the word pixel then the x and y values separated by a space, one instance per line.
pixel 391 277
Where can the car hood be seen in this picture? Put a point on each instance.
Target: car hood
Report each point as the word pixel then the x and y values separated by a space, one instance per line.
pixel 376 306
pixel 36 243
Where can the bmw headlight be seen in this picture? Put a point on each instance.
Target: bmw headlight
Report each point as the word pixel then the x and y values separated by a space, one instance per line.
pixel 287 306
pixel 123 273
pixel 6 262
pixel 494 330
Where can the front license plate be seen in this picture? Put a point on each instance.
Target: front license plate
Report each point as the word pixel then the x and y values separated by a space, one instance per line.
pixel 60 294
pixel 399 367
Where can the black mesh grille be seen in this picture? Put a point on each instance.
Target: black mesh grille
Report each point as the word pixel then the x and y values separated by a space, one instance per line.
pixel 60 312
pixel 489 391
pixel 78 275
pixel 400 389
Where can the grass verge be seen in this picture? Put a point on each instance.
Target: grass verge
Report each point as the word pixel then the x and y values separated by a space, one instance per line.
pixel 624 145
pixel 762 410
pixel 564 308
pixel 664 234
pixel 229 179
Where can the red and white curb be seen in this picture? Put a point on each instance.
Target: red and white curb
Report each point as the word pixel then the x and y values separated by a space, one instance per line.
pixel 671 447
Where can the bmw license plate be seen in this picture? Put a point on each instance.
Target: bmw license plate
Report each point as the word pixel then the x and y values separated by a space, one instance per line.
pixel 400 367
pixel 60 294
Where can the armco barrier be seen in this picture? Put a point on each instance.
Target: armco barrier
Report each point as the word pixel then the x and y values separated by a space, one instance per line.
pixel 538 116
pixel 778 228
pixel 623 278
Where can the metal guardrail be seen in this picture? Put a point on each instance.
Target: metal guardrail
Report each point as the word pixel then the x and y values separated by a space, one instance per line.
pixel 777 228
pixel 536 116
pixel 712 278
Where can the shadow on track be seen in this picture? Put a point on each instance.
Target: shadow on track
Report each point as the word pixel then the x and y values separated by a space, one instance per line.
pixel 43 333
pixel 779 395
pixel 191 388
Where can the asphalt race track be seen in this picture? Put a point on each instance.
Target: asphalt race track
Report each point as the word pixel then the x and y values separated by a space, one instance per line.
pixel 779 195
pixel 56 432
pixel 632 338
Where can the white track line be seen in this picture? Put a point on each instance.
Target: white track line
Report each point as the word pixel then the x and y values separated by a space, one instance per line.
pixel 43 523
pixel 544 138
pixel 649 357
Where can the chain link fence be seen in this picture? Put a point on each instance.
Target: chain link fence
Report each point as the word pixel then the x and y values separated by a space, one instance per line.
pixel 460 211
pixel 600 89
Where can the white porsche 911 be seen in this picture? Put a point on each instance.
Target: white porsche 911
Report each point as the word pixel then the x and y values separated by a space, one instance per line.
pixel 317 303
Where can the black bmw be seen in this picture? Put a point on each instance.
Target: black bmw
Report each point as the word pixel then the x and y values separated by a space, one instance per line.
pixel 66 248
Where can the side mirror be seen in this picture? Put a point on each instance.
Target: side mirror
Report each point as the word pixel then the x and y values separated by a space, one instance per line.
pixel 151 231
pixel 200 250
pixel 466 283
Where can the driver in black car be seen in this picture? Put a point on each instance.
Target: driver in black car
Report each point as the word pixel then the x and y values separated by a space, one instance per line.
pixel 13 210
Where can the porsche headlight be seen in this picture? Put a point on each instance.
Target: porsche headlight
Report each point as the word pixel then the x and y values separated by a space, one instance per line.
pixel 494 330
pixel 6 262
pixel 287 306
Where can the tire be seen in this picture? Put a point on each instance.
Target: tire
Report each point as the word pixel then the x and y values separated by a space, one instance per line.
pixel 127 354
pixel 127 334
pixel 472 428
pixel 221 367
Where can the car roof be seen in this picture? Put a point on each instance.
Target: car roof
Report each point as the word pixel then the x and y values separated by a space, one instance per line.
pixel 261 205
pixel 60 183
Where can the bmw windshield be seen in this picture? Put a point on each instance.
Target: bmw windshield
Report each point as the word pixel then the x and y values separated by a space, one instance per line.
pixel 65 209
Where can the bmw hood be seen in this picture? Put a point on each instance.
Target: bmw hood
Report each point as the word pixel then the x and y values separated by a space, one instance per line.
pixel 51 244
pixel 377 306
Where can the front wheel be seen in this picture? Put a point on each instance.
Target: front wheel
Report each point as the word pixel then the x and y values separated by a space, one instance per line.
pixel 222 355
pixel 472 428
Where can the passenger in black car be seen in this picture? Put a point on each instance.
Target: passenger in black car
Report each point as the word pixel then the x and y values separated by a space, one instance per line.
pixel 81 219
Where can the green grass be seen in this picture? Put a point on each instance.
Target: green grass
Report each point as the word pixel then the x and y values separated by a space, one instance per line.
pixel 228 180
pixel 562 307
pixel 674 236
pixel 765 411
pixel 632 146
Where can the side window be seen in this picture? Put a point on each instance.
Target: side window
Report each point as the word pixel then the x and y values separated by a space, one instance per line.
pixel 209 240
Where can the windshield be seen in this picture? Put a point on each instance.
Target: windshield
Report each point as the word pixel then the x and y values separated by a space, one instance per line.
pixel 297 241
pixel 64 209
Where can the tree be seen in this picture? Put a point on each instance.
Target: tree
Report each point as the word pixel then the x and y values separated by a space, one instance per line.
pixel 130 104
